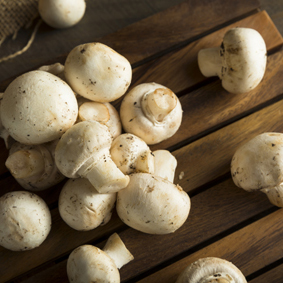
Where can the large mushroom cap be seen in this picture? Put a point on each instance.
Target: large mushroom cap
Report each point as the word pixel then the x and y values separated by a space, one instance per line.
pixel 25 221
pixel 211 269
pixel 97 72
pixel 38 107
pixel 152 204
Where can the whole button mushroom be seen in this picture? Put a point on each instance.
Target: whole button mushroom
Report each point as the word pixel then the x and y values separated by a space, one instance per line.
pixel 152 204
pixel 82 207
pixel 84 151
pixel 33 166
pixel 240 61
pixel 38 107
pixel 91 264
pixel 211 269
pixel 61 13
pixel 258 166
pixel 131 154
pixel 97 72
pixel 152 112
pixel 25 221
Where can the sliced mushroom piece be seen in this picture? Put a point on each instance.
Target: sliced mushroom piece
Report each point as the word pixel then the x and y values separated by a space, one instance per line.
pixel 165 164
pixel 91 264
pixel 152 204
pixel 25 221
pixel 38 107
pixel 61 13
pixel 240 61
pixel 84 151
pixel 152 112
pixel 97 72
pixel 82 207
pixel 258 166
pixel 131 154
pixel 33 166
pixel 211 269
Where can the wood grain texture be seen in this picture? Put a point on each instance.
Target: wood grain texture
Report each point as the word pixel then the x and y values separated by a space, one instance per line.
pixel 274 275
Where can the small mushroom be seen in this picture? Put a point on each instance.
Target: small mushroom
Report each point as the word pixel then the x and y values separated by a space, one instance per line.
pixel 258 166
pixel 56 69
pixel 210 270
pixel 91 264
pixel 84 151
pixel 152 112
pixel 152 204
pixel 97 72
pixel 33 166
pixel 104 113
pixel 240 61
pixel 165 164
pixel 25 221
pixel 38 107
pixel 61 13
pixel 131 154
pixel 82 207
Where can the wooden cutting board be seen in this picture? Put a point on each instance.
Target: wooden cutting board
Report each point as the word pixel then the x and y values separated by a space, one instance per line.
pixel 224 221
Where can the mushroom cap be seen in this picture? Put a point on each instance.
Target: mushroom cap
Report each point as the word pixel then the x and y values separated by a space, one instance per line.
pixel 38 107
pixel 152 204
pixel 80 146
pixel 61 13
pixel 244 59
pixel 126 151
pixel 134 120
pixel 258 164
pixel 211 268
pixel 90 264
pixel 25 221
pixel 97 72
pixel 82 207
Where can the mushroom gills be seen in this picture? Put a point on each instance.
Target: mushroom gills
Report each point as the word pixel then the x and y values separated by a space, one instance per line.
pixel 218 278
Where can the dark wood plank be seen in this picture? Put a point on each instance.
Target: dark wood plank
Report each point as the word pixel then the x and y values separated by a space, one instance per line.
pixel 250 249
pixel 274 275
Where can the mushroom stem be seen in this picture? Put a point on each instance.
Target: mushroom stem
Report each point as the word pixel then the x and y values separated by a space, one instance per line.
pixel 275 194
pixel 210 62
pixel 145 162
pixel 94 111
pixel 158 104
pixel 218 278
pixel 105 176
pixel 25 163
pixel 164 164
pixel 117 250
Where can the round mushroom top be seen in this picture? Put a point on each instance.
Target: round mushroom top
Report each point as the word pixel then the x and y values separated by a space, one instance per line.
pixel 97 72
pixel 152 204
pixel 38 107
pixel 61 13
pixel 243 53
pixel 138 119
pixel 211 269
pixel 80 146
pixel 258 164
pixel 25 221
pixel 90 264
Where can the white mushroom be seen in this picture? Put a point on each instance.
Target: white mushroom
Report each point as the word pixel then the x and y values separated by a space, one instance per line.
pixel 82 207
pixel 25 221
pixel 103 112
pixel 56 69
pixel 84 151
pixel 239 62
pixel 61 13
pixel 131 154
pixel 33 166
pixel 97 72
pixel 210 270
pixel 165 164
pixel 152 204
pixel 38 107
pixel 91 264
pixel 258 166
pixel 152 112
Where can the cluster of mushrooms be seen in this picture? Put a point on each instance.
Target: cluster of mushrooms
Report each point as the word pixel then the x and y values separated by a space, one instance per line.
pixel 58 122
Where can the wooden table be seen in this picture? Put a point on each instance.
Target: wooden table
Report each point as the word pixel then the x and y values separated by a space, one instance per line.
pixel 224 221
